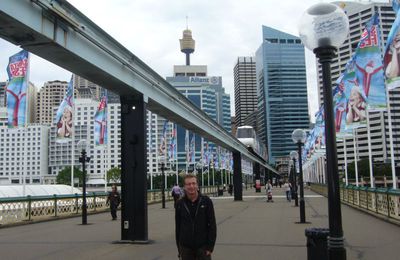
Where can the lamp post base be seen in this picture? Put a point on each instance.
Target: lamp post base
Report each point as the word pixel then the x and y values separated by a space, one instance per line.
pixel 336 249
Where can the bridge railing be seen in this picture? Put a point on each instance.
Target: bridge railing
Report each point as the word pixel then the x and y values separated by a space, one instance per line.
pixel 37 208
pixel 384 202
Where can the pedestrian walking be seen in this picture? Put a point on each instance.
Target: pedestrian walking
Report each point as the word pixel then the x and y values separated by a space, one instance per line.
pixel 195 226
pixel 268 188
pixel 114 199
pixel 288 189
pixel 230 189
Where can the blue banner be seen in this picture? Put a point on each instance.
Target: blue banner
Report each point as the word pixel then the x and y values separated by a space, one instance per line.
pixel 17 71
pixel 392 52
pixel 163 143
pixel 100 123
pixel 64 117
pixel 192 149
pixel 172 144
pixel 369 88
pixel 187 146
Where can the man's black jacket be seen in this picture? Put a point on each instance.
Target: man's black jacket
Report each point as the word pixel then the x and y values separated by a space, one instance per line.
pixel 197 232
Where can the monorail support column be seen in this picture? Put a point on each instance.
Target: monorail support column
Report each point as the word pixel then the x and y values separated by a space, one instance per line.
pixel 257 177
pixel 237 176
pixel 134 218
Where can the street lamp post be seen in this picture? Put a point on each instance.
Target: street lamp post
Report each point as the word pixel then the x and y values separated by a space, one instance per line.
pixel 299 137
pixel 322 29
pixel 293 156
pixel 162 159
pixel 83 159
pixel 163 185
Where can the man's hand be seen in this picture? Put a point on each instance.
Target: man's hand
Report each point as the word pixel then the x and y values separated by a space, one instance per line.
pixel 208 253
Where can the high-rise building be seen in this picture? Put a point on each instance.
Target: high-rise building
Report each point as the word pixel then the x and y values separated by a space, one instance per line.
pixel 282 86
pixel 88 90
pixel 85 89
pixel 49 97
pixel 359 13
pixel 31 103
pixel 206 93
pixel 3 94
pixel 3 108
pixel 103 158
pixel 106 157
pixel 245 88
pixel 24 153
pixel 3 116
pixel 251 120
pixel 197 90
pixel 32 99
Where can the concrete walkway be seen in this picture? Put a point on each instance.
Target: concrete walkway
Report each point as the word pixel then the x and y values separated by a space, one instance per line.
pixel 250 229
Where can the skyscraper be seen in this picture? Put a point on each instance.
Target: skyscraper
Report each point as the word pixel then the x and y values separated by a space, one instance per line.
pixel 103 158
pixel 245 88
pixel 3 108
pixel 86 89
pixel 205 92
pixel 49 96
pixel 3 94
pixel 24 154
pixel 282 86
pixel 359 14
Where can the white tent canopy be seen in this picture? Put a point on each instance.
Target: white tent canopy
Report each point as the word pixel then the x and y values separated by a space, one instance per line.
pixel 36 190
pixel 95 182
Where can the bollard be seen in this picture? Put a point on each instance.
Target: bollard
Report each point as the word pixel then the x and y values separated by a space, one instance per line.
pixel 317 247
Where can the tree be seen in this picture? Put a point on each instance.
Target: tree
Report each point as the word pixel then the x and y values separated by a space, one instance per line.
pixel 114 175
pixel 64 176
pixel 379 169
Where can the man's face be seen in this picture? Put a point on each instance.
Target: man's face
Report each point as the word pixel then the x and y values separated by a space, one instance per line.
pixel 191 186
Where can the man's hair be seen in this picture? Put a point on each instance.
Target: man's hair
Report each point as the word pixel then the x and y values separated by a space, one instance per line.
pixel 189 176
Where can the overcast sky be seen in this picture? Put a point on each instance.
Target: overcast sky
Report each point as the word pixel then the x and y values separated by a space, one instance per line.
pixel 222 29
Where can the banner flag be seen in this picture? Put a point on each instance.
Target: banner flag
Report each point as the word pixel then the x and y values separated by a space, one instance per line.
pixel 100 123
pixel 369 72
pixel 391 59
pixel 17 70
pixel 192 149
pixel 172 144
pixel 187 146
pixel 163 143
pixel 64 117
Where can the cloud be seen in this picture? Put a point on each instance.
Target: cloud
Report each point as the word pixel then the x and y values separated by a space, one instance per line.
pixel 150 29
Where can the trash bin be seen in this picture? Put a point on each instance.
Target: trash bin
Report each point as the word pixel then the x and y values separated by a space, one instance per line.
pixel 317 245
pixel 220 192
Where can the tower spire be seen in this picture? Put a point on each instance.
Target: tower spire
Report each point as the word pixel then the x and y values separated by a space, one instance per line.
pixel 187 43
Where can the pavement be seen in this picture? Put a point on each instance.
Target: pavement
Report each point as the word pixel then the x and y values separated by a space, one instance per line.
pixel 248 229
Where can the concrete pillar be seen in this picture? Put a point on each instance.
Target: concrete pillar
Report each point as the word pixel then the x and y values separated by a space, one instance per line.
pixel 134 220
pixel 237 176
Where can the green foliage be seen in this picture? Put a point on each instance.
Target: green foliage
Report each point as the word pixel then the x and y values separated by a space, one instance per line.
pixel 114 175
pixel 64 176
pixel 171 180
pixel 379 169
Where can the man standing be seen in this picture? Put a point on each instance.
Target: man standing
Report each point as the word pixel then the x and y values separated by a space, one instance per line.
pixel 195 226
pixel 114 199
